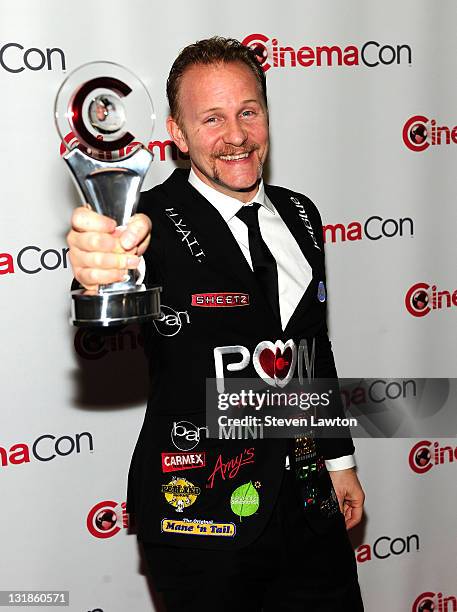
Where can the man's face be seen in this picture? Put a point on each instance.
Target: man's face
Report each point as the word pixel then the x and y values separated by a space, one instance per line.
pixel 223 126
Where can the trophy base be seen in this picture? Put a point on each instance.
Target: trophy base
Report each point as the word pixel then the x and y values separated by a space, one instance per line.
pixel 115 307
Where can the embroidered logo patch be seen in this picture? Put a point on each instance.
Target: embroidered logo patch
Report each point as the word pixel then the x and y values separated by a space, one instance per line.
pixel 172 462
pixel 245 500
pixel 220 300
pixel 171 321
pixel 186 436
pixel 186 235
pixel 198 527
pixel 275 363
pixel 229 469
pixel 307 223
pixel 180 493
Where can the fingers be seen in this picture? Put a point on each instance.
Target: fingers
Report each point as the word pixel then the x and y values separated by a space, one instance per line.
pixel 93 232
pixel 90 278
pixel 95 268
pixel 353 508
pixel 94 242
pixel 352 516
pixel 100 253
pixel 340 502
pixel 86 220
pixel 104 261
pixel 137 233
pixel 144 245
pixel 350 495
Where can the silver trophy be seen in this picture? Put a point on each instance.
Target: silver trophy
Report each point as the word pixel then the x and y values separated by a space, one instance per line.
pixel 103 114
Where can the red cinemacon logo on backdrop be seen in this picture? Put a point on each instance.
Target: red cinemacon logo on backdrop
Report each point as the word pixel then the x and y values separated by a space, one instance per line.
pixel 107 518
pixel 425 455
pixel 162 150
pixel 46 448
pixel 419 133
pixel 421 298
pixel 435 602
pixel 215 300
pixel 385 547
pixel 271 54
pixel 374 228
pixel 32 259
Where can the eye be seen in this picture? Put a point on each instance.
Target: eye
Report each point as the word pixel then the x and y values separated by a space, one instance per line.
pixel 247 113
pixel 211 120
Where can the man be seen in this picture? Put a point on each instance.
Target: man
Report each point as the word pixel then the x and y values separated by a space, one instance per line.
pixel 224 523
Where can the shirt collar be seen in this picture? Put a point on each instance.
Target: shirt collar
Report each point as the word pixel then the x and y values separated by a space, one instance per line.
pixel 226 205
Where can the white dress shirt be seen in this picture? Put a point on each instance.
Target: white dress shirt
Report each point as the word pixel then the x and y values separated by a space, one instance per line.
pixel 294 271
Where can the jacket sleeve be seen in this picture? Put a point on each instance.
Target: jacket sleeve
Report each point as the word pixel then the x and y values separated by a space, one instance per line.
pixel 331 447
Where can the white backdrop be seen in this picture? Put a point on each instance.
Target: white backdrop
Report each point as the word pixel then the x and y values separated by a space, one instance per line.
pixel 337 136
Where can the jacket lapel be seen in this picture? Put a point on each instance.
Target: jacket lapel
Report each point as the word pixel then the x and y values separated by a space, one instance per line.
pixel 289 213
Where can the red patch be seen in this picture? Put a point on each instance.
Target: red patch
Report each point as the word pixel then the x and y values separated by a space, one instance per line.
pixel 220 300
pixel 276 365
pixel 172 462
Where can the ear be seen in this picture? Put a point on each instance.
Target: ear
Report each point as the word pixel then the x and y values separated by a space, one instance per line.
pixel 177 135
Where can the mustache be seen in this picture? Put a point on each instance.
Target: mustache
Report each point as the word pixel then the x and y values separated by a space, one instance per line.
pixel 239 151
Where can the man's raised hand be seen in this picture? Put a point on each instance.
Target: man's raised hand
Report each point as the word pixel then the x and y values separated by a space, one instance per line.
pixel 101 254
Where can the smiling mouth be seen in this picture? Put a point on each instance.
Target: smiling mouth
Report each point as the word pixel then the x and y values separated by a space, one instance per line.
pixel 236 157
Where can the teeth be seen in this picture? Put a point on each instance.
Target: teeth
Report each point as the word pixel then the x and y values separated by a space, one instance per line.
pixel 234 157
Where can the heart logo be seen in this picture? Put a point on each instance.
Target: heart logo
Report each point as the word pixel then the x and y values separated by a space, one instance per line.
pixel 275 363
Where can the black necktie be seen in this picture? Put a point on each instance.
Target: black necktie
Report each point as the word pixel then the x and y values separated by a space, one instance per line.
pixel 263 262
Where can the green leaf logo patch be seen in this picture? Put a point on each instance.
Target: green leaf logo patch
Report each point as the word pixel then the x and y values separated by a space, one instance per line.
pixel 245 500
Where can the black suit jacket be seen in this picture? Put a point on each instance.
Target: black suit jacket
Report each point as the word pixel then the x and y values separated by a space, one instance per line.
pixel 186 489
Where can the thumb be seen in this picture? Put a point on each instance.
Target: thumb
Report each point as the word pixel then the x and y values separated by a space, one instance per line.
pixel 138 228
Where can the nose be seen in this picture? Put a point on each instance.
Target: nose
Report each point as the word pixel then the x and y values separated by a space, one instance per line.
pixel 235 133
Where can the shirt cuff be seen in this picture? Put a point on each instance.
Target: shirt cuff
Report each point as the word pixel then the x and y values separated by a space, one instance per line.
pixel 340 463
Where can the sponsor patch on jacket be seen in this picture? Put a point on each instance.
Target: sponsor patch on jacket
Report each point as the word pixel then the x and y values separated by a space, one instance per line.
pixel 171 462
pixel 185 234
pixel 220 300
pixel 180 493
pixel 197 527
pixel 230 468
pixel 186 436
pixel 245 500
pixel 305 220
